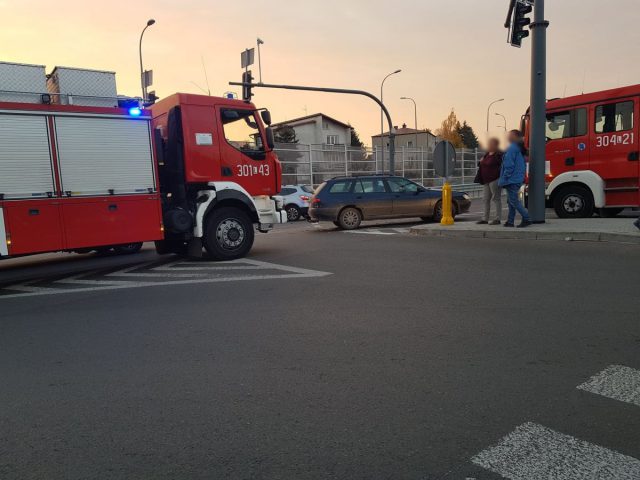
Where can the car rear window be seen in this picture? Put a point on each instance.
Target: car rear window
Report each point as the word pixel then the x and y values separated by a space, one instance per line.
pixel 307 188
pixel 342 186
pixel 287 191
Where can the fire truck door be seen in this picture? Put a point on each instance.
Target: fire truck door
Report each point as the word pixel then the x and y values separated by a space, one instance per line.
pixel 615 154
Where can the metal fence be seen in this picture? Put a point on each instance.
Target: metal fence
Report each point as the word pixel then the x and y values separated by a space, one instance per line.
pixel 313 164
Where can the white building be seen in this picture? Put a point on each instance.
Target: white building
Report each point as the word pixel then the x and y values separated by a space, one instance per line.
pixel 409 138
pixel 318 129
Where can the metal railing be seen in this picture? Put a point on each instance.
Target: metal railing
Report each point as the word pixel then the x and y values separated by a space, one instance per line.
pixel 314 164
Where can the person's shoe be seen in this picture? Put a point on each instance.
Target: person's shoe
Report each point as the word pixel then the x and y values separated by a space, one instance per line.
pixel 482 222
pixel 637 223
pixel 509 225
pixel 495 222
pixel 525 224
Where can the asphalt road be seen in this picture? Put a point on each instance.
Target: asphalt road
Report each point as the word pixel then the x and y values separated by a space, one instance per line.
pixel 328 355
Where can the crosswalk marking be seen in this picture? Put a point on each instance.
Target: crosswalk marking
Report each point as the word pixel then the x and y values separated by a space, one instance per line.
pixel 616 382
pixel 154 274
pixel 533 451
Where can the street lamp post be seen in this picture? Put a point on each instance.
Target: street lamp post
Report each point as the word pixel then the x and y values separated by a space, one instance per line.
pixel 505 120
pixel 150 22
pixel 415 113
pixel 489 109
pixel 382 115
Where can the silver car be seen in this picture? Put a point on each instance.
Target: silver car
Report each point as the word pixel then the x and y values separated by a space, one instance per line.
pixel 296 201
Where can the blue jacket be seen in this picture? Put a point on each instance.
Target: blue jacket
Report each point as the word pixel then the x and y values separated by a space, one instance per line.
pixel 513 167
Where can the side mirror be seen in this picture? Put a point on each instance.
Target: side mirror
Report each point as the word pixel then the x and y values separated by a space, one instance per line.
pixel 266 117
pixel 271 143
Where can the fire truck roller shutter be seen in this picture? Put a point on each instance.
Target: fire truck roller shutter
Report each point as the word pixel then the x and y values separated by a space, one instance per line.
pixel 98 156
pixel 25 159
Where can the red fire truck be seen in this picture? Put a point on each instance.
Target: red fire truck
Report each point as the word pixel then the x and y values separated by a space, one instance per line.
pixel 191 172
pixel 593 153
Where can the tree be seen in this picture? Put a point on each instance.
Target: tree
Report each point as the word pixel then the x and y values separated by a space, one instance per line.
pixel 449 130
pixel 285 134
pixel 468 136
pixel 355 139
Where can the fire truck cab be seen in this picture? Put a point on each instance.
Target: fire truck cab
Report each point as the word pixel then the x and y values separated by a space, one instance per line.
pixel 593 154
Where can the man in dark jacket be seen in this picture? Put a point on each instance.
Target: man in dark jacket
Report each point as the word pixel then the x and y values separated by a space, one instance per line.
pixel 488 175
pixel 512 176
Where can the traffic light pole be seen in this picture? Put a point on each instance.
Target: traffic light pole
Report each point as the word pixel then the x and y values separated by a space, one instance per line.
pixel 537 137
pixel 392 143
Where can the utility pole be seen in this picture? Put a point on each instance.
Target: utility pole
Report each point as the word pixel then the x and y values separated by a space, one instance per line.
pixel 382 120
pixel 415 114
pixel 537 140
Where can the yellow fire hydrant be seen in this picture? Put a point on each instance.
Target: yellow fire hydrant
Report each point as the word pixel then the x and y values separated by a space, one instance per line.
pixel 447 218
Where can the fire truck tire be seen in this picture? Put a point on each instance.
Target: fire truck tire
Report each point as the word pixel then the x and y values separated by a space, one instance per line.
pixel 128 249
pixel 228 234
pixel 573 201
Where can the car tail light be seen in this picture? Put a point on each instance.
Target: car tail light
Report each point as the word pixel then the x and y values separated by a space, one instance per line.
pixel 305 198
pixel 316 202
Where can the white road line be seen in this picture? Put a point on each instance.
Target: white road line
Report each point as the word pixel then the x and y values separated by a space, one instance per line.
pixel 371 231
pixel 616 382
pixel 535 452
pixel 402 230
pixel 205 269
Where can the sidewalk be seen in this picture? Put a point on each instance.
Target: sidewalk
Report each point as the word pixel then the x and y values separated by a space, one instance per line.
pixel 617 230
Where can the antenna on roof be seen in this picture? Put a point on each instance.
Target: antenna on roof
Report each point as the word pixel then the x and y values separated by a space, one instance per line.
pixel 206 77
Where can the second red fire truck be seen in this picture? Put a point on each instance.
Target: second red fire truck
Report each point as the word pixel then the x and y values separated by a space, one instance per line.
pixel 79 173
pixel 593 152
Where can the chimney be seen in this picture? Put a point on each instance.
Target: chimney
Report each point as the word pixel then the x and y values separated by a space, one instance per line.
pixel 404 125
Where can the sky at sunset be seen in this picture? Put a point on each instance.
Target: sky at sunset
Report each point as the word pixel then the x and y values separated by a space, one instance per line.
pixel 453 53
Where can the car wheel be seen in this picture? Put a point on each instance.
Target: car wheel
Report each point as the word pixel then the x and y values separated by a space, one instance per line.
pixel 293 213
pixel 610 212
pixel 437 211
pixel 350 218
pixel 128 249
pixel 573 202
pixel 229 234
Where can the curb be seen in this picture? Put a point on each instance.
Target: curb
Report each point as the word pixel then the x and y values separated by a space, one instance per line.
pixel 531 234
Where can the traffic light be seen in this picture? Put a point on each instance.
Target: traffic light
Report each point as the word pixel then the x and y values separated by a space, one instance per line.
pixel 520 22
pixel 247 94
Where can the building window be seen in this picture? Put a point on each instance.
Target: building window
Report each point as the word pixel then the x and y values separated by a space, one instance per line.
pixel 325 125
pixel 409 144
pixel 332 139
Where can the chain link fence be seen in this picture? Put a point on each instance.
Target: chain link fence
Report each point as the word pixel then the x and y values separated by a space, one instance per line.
pixel 314 164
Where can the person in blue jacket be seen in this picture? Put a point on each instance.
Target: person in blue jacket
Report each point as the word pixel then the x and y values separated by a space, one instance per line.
pixel 511 179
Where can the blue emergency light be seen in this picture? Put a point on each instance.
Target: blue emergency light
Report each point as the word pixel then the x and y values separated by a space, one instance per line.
pixel 135 111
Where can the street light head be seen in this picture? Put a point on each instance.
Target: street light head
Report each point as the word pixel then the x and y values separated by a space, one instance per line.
pixel 150 22
pixel 260 41
pixel 397 71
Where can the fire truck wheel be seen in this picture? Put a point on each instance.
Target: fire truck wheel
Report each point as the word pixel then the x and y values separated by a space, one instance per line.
pixel 128 249
pixel 229 234
pixel 573 201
